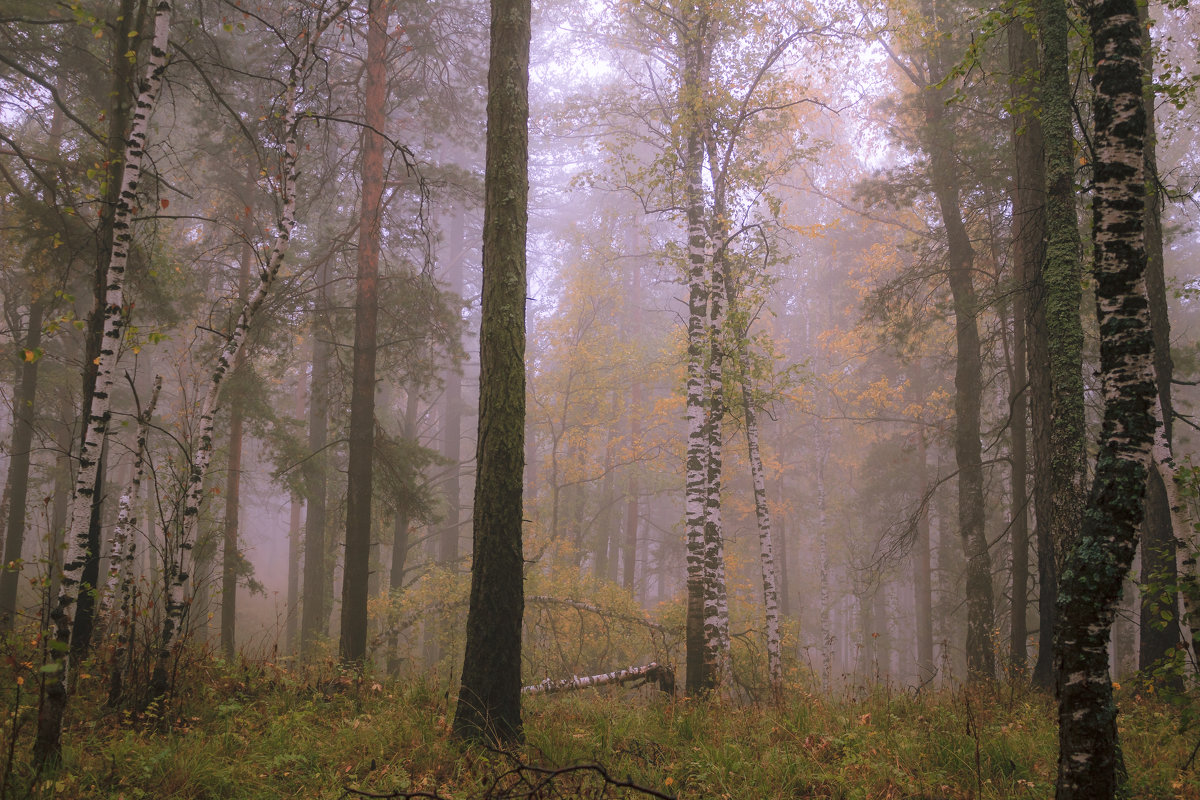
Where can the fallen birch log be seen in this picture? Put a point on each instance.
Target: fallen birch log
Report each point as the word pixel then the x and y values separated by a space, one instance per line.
pixel 649 673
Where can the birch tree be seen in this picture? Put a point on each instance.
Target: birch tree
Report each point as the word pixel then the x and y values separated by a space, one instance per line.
pixel 48 745
pixel 1098 562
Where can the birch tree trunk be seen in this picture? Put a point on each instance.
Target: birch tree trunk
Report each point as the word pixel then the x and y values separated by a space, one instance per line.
pixel 766 548
pixel 1098 563
pixel 184 526
pixel 123 553
pixel 48 745
pixel 696 480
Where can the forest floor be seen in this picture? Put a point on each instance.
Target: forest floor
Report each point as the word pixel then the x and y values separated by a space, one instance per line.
pixel 258 730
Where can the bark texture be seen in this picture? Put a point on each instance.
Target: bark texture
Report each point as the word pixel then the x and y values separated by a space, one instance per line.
pixel 489 700
pixel 1060 296
pixel 1100 558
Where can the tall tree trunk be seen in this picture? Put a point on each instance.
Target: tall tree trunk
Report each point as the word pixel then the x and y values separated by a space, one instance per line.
pixel 231 556
pixel 315 615
pixel 696 481
pixel 128 22
pixel 366 311
pixel 1098 563
pixel 295 546
pixel 923 570
pixel 826 601
pixel 1028 231
pixel 452 417
pixel 766 548
pixel 20 452
pixel 48 745
pixel 968 383
pixel 1061 296
pixel 489 700
pixel 1159 636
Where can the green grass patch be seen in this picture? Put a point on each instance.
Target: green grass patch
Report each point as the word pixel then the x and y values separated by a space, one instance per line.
pixel 262 731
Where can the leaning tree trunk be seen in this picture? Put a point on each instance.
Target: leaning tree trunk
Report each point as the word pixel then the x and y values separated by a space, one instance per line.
pixel 184 526
pixel 489 700
pixel 366 311
pixel 48 745
pixel 1184 534
pixel 1098 563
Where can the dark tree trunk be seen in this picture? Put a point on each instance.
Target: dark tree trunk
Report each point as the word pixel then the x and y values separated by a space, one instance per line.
pixel 366 311
pixel 968 384
pixel 315 616
pixel 20 451
pixel 1060 296
pixel 452 420
pixel 1097 564
pixel 923 573
pixel 295 547
pixel 231 555
pixel 1028 232
pixel 489 701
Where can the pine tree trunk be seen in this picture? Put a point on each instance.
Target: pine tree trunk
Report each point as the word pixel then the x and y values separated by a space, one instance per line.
pixel 489 701
pixel 366 311
pixel 1097 564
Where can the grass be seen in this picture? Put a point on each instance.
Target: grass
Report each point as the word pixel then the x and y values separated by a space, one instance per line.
pixel 261 731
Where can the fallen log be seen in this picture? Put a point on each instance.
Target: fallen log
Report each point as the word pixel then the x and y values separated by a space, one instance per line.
pixel 663 676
